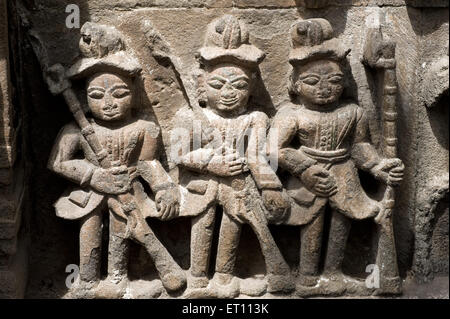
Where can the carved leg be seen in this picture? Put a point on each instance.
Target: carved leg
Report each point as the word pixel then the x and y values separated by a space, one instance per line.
pixel 230 233
pixel 201 240
pixel 172 276
pixel 310 248
pixel 91 247
pixel 118 251
pixel 278 272
pixel 339 231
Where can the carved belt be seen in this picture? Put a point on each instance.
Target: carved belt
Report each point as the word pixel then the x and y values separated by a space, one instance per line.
pixel 328 157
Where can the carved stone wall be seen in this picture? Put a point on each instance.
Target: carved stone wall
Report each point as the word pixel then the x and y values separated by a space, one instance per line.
pixel 31 118
pixel 433 136
pixel 13 253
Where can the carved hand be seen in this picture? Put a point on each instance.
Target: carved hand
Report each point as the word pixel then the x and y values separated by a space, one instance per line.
pixel 319 181
pixel 390 171
pixel 168 203
pixel 228 165
pixel 277 203
pixel 112 181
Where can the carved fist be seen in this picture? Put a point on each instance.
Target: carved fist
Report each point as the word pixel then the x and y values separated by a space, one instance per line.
pixel 277 203
pixel 390 171
pixel 319 181
pixel 228 165
pixel 168 203
pixel 112 181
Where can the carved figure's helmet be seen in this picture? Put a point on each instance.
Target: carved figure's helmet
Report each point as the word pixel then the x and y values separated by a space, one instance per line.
pixel 103 49
pixel 227 40
pixel 313 40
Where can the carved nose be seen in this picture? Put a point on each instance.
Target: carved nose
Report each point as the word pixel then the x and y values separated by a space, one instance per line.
pixel 109 103
pixel 229 93
pixel 325 88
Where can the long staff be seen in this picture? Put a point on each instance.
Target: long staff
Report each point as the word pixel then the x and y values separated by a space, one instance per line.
pixel 379 54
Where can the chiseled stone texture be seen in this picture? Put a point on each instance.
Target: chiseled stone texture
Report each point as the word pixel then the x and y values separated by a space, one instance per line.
pixel 6 111
pixel 420 29
pixel 13 255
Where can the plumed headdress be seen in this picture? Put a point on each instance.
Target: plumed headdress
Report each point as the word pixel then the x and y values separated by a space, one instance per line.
pixel 227 40
pixel 313 40
pixel 103 49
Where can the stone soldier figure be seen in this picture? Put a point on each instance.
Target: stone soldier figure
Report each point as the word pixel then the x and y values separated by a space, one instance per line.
pixel 322 143
pixel 131 146
pixel 229 148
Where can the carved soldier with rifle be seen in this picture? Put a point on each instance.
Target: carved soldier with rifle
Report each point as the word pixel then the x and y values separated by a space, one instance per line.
pixel 104 156
pixel 228 140
pixel 322 142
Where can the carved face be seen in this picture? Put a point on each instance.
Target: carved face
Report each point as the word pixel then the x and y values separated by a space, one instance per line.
pixel 228 88
pixel 320 82
pixel 110 96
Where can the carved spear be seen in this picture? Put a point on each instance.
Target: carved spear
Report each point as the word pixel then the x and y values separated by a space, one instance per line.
pixel 162 52
pixel 379 54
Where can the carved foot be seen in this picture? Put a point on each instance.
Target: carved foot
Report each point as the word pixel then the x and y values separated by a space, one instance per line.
pixel 112 288
pixel 308 281
pixel 390 286
pixel 254 287
pixel 197 287
pixel 197 282
pixel 280 283
pixel 337 284
pixel 144 289
pixel 225 286
pixel 174 281
pixel 83 289
pixel 337 276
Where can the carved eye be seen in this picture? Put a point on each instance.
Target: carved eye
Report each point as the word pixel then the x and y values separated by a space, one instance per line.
pixel 216 84
pixel 96 95
pixel 241 85
pixel 335 79
pixel 120 93
pixel 311 80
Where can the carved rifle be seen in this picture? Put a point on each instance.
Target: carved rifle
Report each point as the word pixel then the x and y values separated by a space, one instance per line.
pixel 379 54
pixel 256 218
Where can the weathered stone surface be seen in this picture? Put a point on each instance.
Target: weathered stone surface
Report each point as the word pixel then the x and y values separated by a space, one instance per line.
pixel 13 253
pixel 431 110
pixel 428 4
pixel 270 4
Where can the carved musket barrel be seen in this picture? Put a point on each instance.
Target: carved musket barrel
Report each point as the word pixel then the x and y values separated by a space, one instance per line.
pixel 379 54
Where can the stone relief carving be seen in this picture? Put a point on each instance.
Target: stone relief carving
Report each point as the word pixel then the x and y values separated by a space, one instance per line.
pixel 227 158
pixel 322 141
pixel 104 156
pixel 231 151
pixel 435 188
pixel 436 79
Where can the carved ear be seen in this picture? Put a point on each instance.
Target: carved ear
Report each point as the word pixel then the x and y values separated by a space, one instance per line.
pixel 293 85
pixel 255 75
pixel 201 90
